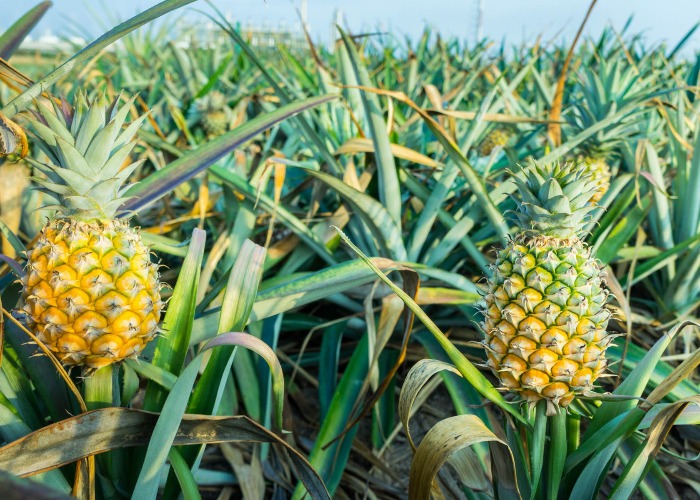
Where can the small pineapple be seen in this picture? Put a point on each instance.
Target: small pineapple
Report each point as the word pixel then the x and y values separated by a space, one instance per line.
pixel 91 292
pixel 600 171
pixel 545 317
pixel 214 113
pixel 498 137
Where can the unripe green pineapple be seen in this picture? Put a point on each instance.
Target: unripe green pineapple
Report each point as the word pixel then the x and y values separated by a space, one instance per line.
pixel 214 113
pixel 91 292
pixel 545 317
pixel 498 137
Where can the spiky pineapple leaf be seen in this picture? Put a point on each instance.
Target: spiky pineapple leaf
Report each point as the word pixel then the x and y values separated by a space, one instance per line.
pixel 166 429
pixel 389 189
pixel 187 166
pixel 374 214
pixel 171 348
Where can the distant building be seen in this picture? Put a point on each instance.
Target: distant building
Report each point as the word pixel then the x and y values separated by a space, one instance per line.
pixel 262 36
pixel 49 43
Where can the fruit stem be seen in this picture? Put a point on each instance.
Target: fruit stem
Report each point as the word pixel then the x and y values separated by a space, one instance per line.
pixel 537 444
pixel 101 389
pixel 573 433
pixel 557 453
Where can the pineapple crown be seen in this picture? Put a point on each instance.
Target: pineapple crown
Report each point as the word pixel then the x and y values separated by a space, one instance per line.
pixel 554 199
pixel 88 155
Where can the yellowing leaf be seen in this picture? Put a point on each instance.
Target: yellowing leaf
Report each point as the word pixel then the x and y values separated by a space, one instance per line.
pixel 441 442
pixel 364 145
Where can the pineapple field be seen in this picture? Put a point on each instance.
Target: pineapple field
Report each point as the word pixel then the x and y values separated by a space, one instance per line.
pixel 377 268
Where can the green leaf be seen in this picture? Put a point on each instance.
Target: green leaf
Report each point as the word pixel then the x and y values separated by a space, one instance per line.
pixel 465 367
pixel 389 189
pixel 607 250
pixel 557 454
pixel 172 346
pixel 385 231
pixel 640 463
pixel 151 372
pixel 11 39
pixel 188 165
pixel 657 262
pixel 188 485
pixel 22 101
pixel 166 429
pixel 328 365
pixel 537 446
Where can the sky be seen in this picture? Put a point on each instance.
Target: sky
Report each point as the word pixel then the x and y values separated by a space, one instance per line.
pixel 516 20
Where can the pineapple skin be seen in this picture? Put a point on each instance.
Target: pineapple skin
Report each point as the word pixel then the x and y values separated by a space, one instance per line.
pixel 91 292
pixel 545 319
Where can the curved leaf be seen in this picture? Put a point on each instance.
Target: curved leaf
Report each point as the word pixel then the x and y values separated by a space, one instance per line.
pixel 166 429
pixel 641 461
pixel 417 377
pixel 111 428
pixel 446 438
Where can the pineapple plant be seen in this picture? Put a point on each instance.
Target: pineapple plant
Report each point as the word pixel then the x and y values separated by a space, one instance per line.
pixel 604 89
pixel 91 292
pixel 545 318
pixel 214 113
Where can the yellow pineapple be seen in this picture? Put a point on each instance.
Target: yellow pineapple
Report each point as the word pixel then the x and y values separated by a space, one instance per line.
pixel 600 171
pixel 545 317
pixel 497 138
pixel 91 292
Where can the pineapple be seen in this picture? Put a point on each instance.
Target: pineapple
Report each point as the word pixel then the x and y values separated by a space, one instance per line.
pixel 545 317
pixel 214 113
pixel 91 293
pixel 600 171
pixel 497 138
